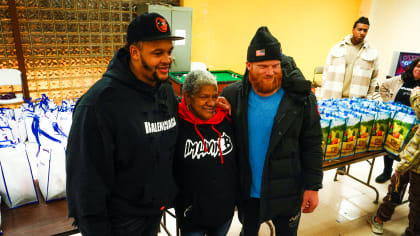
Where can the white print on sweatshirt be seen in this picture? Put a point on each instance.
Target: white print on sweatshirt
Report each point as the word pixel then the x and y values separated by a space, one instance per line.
pixel 195 150
pixel 156 127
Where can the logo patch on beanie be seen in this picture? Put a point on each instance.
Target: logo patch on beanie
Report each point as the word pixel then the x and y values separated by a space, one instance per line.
pixel 260 53
pixel 161 24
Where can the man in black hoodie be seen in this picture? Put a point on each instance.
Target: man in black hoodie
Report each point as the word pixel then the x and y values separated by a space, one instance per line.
pixel 122 141
pixel 278 132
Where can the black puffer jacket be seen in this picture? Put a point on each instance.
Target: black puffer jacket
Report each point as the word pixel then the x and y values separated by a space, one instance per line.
pixel 120 150
pixel 294 157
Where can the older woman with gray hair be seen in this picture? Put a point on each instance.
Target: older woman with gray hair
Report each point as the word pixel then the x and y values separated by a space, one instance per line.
pixel 205 160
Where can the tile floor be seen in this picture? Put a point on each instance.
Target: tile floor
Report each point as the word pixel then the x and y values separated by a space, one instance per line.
pixel 343 208
pixel 345 204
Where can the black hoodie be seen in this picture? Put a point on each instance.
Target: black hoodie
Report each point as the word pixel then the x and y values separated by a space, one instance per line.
pixel 205 170
pixel 120 149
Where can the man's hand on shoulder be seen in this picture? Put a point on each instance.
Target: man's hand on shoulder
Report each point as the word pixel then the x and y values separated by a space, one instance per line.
pixel 223 103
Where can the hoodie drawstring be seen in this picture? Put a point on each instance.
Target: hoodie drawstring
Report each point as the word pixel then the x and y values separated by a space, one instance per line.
pixel 220 140
pixel 201 136
pixel 204 143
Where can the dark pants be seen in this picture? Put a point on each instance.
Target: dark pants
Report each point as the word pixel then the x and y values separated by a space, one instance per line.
pixel 249 215
pixel 218 231
pixel 135 226
pixel 392 198
pixel 414 198
pixel 388 164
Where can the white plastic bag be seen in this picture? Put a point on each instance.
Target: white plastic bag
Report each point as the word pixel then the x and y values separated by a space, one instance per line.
pixel 6 133
pixel 64 121
pixel 32 150
pixel 1 231
pixel 17 187
pixel 30 129
pixel 52 171
pixel 18 126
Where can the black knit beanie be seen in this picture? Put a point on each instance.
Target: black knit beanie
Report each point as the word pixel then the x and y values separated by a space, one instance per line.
pixel 264 46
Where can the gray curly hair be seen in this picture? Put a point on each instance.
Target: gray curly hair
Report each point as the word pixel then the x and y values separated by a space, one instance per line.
pixel 196 79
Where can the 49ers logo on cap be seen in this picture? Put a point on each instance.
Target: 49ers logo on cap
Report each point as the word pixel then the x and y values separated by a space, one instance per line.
pixel 161 24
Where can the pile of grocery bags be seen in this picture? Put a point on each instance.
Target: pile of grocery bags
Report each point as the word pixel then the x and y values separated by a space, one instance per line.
pixel 33 141
pixel 351 126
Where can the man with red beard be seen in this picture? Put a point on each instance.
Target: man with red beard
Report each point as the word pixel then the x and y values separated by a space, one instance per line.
pixel 121 144
pixel 277 127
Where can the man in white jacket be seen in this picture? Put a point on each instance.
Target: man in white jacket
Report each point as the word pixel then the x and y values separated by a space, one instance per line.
pixel 351 67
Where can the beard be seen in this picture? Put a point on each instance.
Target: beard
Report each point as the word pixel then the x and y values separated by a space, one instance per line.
pixel 262 86
pixel 147 67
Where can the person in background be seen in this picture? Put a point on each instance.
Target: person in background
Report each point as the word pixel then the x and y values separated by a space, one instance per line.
pixel 278 134
pixel 351 68
pixel 205 160
pixel 410 163
pixel 398 89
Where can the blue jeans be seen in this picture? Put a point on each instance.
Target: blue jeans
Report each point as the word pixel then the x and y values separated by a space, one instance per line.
pixel 219 231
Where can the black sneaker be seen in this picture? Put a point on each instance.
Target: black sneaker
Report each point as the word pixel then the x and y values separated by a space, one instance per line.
pixel 382 178
pixel 341 170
